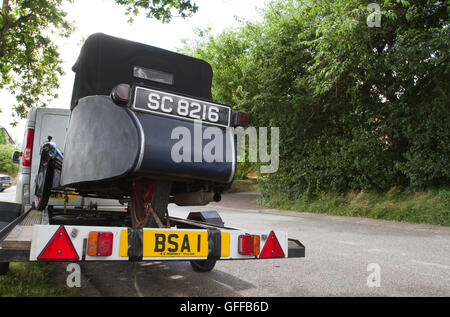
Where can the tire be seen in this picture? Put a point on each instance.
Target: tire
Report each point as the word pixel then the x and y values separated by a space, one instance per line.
pixel 203 265
pixel 4 268
pixel 139 207
pixel 2 189
pixel 160 201
pixel 45 179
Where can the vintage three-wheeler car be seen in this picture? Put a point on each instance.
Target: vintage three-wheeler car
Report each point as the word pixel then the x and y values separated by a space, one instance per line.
pixel 135 110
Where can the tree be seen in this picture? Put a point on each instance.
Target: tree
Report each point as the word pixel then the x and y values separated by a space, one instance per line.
pixel 30 64
pixel 2 137
pixel 6 164
pixel 358 107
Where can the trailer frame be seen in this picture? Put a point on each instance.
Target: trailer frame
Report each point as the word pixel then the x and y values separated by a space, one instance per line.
pixel 204 223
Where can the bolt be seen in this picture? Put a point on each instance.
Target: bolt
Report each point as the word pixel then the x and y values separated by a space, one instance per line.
pixel 74 232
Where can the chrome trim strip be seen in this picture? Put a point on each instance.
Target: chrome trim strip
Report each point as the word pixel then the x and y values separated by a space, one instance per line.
pixel 233 157
pixel 141 130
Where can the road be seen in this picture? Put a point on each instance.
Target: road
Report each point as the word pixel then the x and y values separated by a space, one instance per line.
pixel 414 260
pixel 8 194
pixel 342 254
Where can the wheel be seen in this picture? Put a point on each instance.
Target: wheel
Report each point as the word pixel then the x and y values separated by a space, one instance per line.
pixel 44 182
pixel 4 268
pixel 148 194
pixel 203 265
pixel 2 189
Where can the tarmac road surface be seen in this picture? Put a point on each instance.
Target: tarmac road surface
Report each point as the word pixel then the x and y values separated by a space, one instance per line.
pixel 344 257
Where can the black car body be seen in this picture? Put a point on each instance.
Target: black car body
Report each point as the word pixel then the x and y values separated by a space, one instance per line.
pixel 132 106
pixel 109 145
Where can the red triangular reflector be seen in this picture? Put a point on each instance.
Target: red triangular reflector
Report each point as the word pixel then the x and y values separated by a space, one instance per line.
pixel 272 248
pixel 59 247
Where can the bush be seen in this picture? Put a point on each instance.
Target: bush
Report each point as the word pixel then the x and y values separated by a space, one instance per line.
pixel 359 108
pixel 6 164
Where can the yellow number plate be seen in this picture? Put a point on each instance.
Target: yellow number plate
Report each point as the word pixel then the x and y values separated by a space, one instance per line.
pixel 61 195
pixel 177 243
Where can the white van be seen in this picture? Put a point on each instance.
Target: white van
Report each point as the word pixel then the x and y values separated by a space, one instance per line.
pixel 42 123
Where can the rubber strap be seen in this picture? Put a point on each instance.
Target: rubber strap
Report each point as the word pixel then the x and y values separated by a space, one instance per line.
pixel 135 244
pixel 214 244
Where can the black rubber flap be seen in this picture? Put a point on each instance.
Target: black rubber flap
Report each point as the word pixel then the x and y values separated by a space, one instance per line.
pixel 214 244
pixel 135 244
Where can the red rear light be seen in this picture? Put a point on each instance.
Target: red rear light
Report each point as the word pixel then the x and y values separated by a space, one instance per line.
pixel 100 243
pixel 121 94
pixel 28 150
pixel 241 119
pixel 249 244
pixel 59 247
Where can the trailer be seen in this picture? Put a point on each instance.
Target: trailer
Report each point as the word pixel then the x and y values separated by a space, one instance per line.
pixel 117 143
pixel 59 234
pixel 78 228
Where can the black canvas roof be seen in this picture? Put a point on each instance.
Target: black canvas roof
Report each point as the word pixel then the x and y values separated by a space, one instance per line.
pixel 107 61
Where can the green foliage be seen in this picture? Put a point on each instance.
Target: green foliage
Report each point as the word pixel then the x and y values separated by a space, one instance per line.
pixel 2 137
pixel 29 60
pixel 431 206
pixel 30 64
pixel 244 185
pixel 159 9
pixel 243 169
pixel 6 164
pixel 358 108
pixel 31 280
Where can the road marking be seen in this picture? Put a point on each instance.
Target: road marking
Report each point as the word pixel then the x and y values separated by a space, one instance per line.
pixel 442 266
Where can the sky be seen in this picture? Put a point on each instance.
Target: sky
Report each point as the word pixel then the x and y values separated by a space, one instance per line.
pixel 92 16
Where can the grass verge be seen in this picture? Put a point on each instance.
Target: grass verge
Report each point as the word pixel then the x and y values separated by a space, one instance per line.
pixel 243 185
pixel 31 280
pixel 431 206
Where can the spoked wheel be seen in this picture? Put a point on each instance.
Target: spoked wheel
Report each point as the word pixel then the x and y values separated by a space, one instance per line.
pixel 148 195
